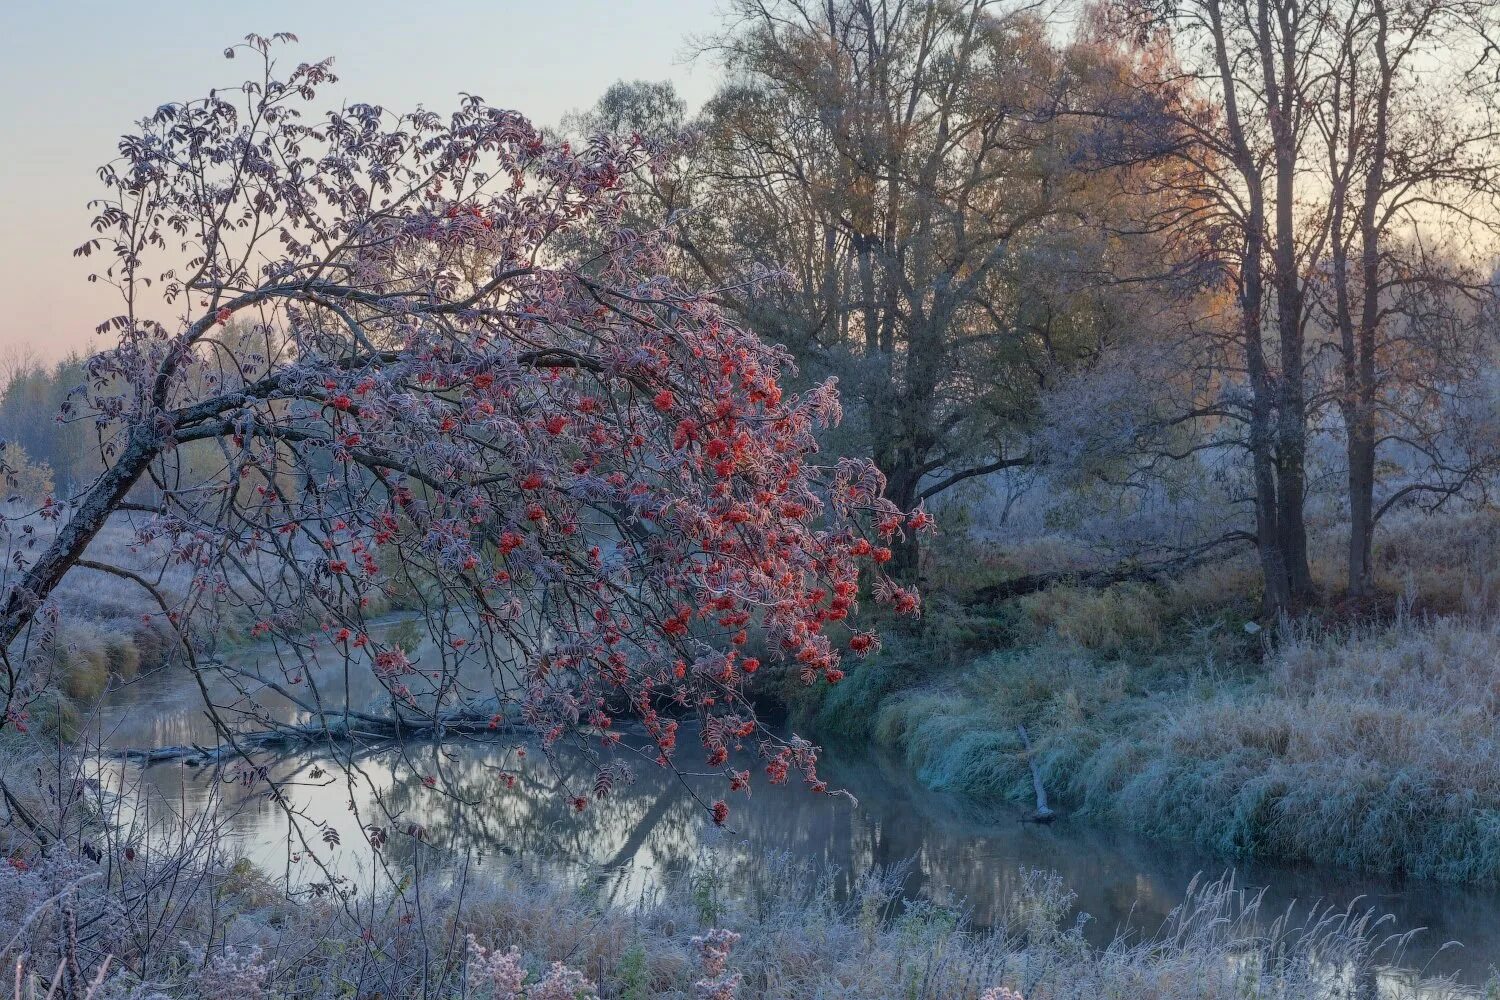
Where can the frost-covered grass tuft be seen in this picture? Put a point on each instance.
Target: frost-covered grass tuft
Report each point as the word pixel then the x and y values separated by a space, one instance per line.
pixel 1374 749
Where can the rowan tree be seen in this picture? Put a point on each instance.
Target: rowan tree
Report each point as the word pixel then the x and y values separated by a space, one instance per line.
pixel 425 351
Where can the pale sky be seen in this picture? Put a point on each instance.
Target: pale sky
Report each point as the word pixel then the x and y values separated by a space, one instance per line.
pixel 74 75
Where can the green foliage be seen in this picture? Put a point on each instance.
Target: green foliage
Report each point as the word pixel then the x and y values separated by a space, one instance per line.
pixel 846 711
pixel 633 974
pixel 707 887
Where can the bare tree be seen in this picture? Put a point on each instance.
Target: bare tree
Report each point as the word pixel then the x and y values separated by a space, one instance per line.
pixel 1410 134
pixel 1231 98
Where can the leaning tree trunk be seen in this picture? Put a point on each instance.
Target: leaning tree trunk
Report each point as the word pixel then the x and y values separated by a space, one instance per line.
pixel 38 581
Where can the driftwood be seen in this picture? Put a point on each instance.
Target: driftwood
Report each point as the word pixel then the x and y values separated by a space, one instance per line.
pixel 1044 813
pixel 356 727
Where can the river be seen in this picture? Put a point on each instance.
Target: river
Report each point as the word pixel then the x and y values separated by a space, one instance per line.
pixel 647 830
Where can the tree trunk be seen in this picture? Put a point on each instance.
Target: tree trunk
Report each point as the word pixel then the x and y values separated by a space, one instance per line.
pixel 1361 512
pixel 1291 483
pixel 1291 416
pixel 1044 813
pixel 1279 65
pixel 903 477
pixel 1275 540
pixel 1277 582
pixel 331 727
pixel 1362 432
pixel 88 518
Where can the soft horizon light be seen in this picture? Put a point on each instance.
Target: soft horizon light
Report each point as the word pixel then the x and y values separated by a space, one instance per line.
pixel 80 75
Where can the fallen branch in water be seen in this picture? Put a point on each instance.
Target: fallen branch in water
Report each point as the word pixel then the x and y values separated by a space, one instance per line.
pixel 355 727
pixel 1044 813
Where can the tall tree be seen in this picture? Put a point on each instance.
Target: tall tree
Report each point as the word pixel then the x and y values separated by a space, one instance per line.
pixel 1410 129
pixel 1232 101
pixel 903 166
pixel 1324 146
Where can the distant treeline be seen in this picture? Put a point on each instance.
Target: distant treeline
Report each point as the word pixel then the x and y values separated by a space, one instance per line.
pixel 47 452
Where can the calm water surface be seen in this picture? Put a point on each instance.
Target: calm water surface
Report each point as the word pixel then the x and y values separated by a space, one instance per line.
pixel 653 827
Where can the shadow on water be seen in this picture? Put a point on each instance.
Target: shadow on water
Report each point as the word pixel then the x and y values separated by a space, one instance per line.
pixel 654 827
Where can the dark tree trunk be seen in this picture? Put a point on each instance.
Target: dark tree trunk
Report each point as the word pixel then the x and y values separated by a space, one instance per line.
pixel 1275 454
pixel 1280 69
pixel 1357 336
pixel 1362 435
pixel 903 476
pixel 1356 408
pixel 1361 513
pixel 1278 586
pixel 1291 417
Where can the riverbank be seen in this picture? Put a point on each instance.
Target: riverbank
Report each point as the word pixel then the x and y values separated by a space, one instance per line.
pixel 1168 710
pixel 804 931
pixel 791 936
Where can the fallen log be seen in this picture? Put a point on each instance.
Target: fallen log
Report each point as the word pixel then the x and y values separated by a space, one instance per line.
pixel 1098 579
pixel 1034 583
pixel 331 729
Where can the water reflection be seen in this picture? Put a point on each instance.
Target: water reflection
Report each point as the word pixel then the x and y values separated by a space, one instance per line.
pixel 655 827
